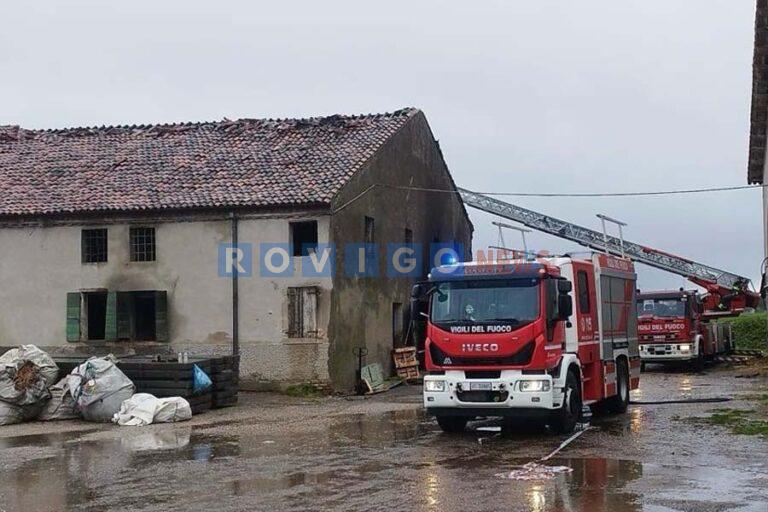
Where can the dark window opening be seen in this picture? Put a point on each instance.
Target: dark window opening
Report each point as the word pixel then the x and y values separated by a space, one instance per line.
pixel 370 230
pixel 583 285
pixel 144 316
pixel 408 236
pixel 94 245
pixel 111 316
pixel 142 242
pixel 96 315
pixel 304 237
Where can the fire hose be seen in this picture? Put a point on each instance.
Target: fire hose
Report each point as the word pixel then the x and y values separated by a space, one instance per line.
pixel 714 400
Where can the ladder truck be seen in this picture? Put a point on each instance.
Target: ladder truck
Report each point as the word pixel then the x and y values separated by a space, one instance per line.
pixel 504 366
pixel 726 294
pixel 674 326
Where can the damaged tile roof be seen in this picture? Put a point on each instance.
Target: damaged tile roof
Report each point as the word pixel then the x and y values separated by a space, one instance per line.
pixel 243 163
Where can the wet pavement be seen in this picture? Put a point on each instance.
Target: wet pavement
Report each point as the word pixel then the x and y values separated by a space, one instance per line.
pixel 276 453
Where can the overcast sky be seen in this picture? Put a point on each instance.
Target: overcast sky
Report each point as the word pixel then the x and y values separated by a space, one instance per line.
pixel 529 96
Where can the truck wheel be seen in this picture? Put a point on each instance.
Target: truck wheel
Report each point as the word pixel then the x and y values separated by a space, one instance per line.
pixel 452 424
pixel 618 404
pixel 564 419
pixel 698 363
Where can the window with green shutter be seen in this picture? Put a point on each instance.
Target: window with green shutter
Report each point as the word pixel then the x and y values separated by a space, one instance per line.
pixel 73 316
pixel 117 316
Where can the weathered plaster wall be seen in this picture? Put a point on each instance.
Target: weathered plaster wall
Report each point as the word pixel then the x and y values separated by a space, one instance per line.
pixel 362 307
pixel 39 265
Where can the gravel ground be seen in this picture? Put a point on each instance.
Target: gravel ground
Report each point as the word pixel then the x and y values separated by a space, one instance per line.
pixel 278 453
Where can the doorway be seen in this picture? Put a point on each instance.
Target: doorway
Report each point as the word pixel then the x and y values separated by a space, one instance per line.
pixel 144 316
pixel 96 315
pixel 397 324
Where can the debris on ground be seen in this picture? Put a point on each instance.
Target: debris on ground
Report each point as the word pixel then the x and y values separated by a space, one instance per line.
pixel 534 471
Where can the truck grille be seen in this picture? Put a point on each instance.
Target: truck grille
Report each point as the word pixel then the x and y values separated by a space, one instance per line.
pixel 521 358
pixel 482 396
pixel 482 374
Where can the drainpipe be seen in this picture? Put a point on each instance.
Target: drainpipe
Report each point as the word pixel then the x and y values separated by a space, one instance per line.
pixel 235 298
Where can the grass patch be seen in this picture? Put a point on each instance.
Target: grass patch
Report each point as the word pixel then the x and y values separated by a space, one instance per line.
pixel 737 420
pixel 752 428
pixel 303 391
pixel 728 417
pixel 757 398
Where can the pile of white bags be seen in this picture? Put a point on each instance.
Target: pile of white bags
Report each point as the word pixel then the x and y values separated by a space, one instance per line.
pixel 144 409
pixel 26 373
pixel 99 389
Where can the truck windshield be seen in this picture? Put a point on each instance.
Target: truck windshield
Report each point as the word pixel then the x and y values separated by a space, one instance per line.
pixel 514 301
pixel 663 308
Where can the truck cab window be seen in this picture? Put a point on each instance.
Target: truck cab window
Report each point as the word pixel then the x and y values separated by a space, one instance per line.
pixel 583 291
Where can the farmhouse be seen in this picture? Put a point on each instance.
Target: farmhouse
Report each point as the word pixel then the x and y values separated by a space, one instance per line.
pixel 210 237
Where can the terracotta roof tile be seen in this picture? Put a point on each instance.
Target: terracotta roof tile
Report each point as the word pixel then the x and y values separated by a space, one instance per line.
pixel 243 163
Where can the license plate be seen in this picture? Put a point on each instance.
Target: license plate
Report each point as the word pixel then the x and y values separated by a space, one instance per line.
pixel 480 386
pixel 659 338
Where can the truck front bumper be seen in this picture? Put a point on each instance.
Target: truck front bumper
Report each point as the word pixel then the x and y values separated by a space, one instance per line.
pixel 456 394
pixel 667 352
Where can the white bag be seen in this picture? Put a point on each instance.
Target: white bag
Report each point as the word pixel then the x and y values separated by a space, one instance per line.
pixel 144 409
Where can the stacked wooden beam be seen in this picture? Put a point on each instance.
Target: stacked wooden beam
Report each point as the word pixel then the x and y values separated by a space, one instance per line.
pixel 164 376
pixel 224 374
pixel 168 378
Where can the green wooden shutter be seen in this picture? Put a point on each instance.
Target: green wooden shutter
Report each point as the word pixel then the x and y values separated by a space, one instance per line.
pixel 161 316
pixel 73 316
pixel 124 313
pixel 110 327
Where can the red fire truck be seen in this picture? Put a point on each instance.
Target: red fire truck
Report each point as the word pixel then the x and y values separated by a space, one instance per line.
pixel 503 339
pixel 675 326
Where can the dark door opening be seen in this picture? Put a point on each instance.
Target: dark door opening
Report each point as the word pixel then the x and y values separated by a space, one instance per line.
pixel 96 304
pixel 144 316
pixel 397 324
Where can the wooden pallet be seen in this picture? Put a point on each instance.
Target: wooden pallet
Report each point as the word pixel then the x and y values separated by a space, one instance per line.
pixel 406 363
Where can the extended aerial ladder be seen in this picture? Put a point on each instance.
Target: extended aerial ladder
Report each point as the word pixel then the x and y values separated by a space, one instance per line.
pixel 728 293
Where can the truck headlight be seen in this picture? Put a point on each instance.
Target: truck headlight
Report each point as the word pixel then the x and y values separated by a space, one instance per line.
pixel 684 348
pixel 434 385
pixel 534 385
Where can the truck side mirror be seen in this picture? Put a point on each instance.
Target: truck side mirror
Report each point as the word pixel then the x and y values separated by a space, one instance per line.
pixel 418 291
pixel 564 286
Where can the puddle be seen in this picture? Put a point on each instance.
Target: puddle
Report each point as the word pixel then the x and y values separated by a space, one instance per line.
pixel 397 460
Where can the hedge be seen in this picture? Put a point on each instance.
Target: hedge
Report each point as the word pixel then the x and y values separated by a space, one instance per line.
pixel 749 330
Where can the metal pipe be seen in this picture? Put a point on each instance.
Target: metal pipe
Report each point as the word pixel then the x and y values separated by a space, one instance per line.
pixel 235 293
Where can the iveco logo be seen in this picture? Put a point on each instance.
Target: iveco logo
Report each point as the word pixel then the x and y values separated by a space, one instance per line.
pixel 479 347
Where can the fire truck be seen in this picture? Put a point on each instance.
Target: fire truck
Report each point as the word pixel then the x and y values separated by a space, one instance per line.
pixel 503 339
pixel 691 335
pixel 678 326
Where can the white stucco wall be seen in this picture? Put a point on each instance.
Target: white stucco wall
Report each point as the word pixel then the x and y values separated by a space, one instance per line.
pixel 40 265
